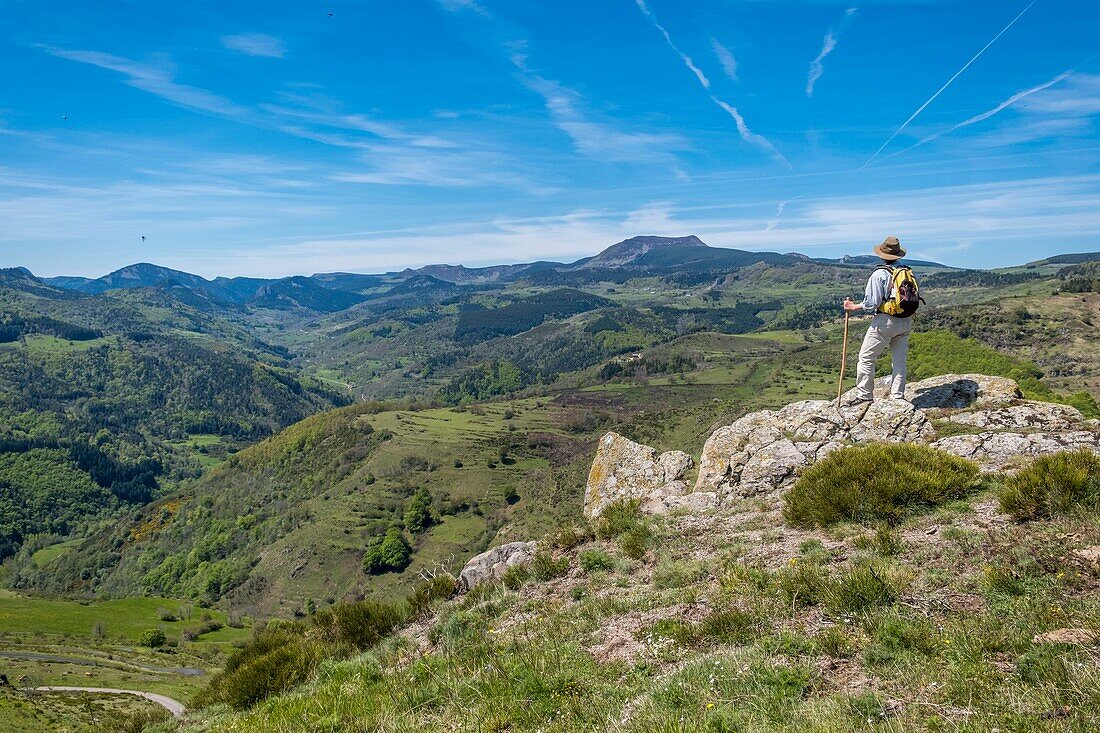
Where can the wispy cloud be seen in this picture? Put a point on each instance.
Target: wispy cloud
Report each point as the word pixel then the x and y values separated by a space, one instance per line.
pixel 994 111
pixel 940 91
pixel 726 59
pixel 591 137
pixel 754 139
pixel 599 140
pixel 945 220
pixel 255 44
pixel 668 39
pixel 155 79
pixel 817 66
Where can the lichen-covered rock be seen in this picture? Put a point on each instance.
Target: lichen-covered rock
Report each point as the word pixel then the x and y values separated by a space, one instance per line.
pixel 952 391
pixel 764 451
pixel 624 470
pixel 1006 451
pixel 1029 415
pixel 492 564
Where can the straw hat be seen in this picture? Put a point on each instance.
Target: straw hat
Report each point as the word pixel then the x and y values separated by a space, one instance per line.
pixel 890 249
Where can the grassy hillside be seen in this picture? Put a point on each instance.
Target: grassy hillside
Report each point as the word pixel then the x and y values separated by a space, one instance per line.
pixel 952 615
pixel 108 401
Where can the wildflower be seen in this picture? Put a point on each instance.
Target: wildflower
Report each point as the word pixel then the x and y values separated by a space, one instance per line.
pixel 794 561
pixel 710 706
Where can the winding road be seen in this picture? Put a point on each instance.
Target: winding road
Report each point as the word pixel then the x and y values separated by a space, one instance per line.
pixel 173 706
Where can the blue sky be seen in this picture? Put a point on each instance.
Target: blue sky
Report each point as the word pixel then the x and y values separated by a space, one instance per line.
pixel 274 138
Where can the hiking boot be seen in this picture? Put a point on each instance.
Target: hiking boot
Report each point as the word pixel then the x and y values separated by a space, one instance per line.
pixel 853 401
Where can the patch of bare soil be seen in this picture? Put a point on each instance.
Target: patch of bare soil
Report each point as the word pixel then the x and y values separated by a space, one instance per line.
pixel 620 638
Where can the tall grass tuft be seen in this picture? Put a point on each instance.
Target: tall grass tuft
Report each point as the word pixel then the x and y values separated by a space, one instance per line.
pixel 882 482
pixel 1061 483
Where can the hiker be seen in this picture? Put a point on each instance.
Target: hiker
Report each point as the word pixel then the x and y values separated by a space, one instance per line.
pixel 892 295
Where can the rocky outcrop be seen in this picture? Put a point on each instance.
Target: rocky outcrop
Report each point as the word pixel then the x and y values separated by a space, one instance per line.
pixel 1006 451
pixel 492 564
pixel 625 471
pixel 763 452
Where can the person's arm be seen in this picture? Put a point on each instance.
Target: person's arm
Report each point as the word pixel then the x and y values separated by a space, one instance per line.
pixel 874 294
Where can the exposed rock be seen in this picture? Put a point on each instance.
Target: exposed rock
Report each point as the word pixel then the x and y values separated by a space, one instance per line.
pixel 1027 416
pixel 763 452
pixel 1005 451
pixel 1066 636
pixel 625 470
pixel 955 391
pixel 1089 554
pixel 492 564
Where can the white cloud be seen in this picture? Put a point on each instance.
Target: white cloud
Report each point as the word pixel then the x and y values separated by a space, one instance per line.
pixel 599 140
pixel 754 139
pixel 155 79
pixel 726 58
pixel 817 67
pixel 749 136
pixel 255 44
pixel 668 39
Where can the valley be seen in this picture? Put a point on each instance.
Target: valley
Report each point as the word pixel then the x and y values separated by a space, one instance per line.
pixel 231 451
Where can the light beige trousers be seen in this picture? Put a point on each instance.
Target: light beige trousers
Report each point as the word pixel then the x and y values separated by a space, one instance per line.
pixel 884 331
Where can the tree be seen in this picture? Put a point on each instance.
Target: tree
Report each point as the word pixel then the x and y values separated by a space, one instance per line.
pixel 391 553
pixel 418 512
pixel 152 638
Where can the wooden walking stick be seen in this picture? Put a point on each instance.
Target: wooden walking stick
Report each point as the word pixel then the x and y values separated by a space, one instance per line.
pixel 843 361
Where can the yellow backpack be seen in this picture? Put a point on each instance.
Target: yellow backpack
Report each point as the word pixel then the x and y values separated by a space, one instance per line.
pixel 903 297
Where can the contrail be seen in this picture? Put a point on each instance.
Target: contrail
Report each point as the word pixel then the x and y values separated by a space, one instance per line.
pixel 989 113
pixel 668 39
pixel 747 135
pixel 949 81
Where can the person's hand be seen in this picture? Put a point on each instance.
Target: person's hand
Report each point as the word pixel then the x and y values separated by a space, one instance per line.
pixel 850 306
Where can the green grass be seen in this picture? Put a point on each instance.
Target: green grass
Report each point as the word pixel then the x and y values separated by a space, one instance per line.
pixel 1063 483
pixel 123 619
pixel 48 554
pixel 877 483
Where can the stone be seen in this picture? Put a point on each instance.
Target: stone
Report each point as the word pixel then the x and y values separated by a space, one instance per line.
pixel 1089 554
pixel 492 564
pixel 1029 415
pixel 953 391
pixel 995 452
pixel 624 470
pixel 764 451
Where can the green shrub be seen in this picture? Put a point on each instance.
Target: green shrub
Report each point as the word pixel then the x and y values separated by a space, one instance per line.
pixel 1052 485
pixel 618 518
pixel 567 538
pixel 862 587
pixel 544 566
pixel 677 574
pixel 515 576
pixel 152 638
pixel 802 584
pixel 732 626
pixel 635 542
pixel 133 722
pixel 360 625
pixel 878 482
pixel 263 669
pixel 595 560
pixel 678 630
pixel 431 590
pixel 418 512
pixel 391 553
pixel 1042 665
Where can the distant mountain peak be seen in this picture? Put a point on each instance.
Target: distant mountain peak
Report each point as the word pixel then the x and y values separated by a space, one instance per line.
pixel 629 250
